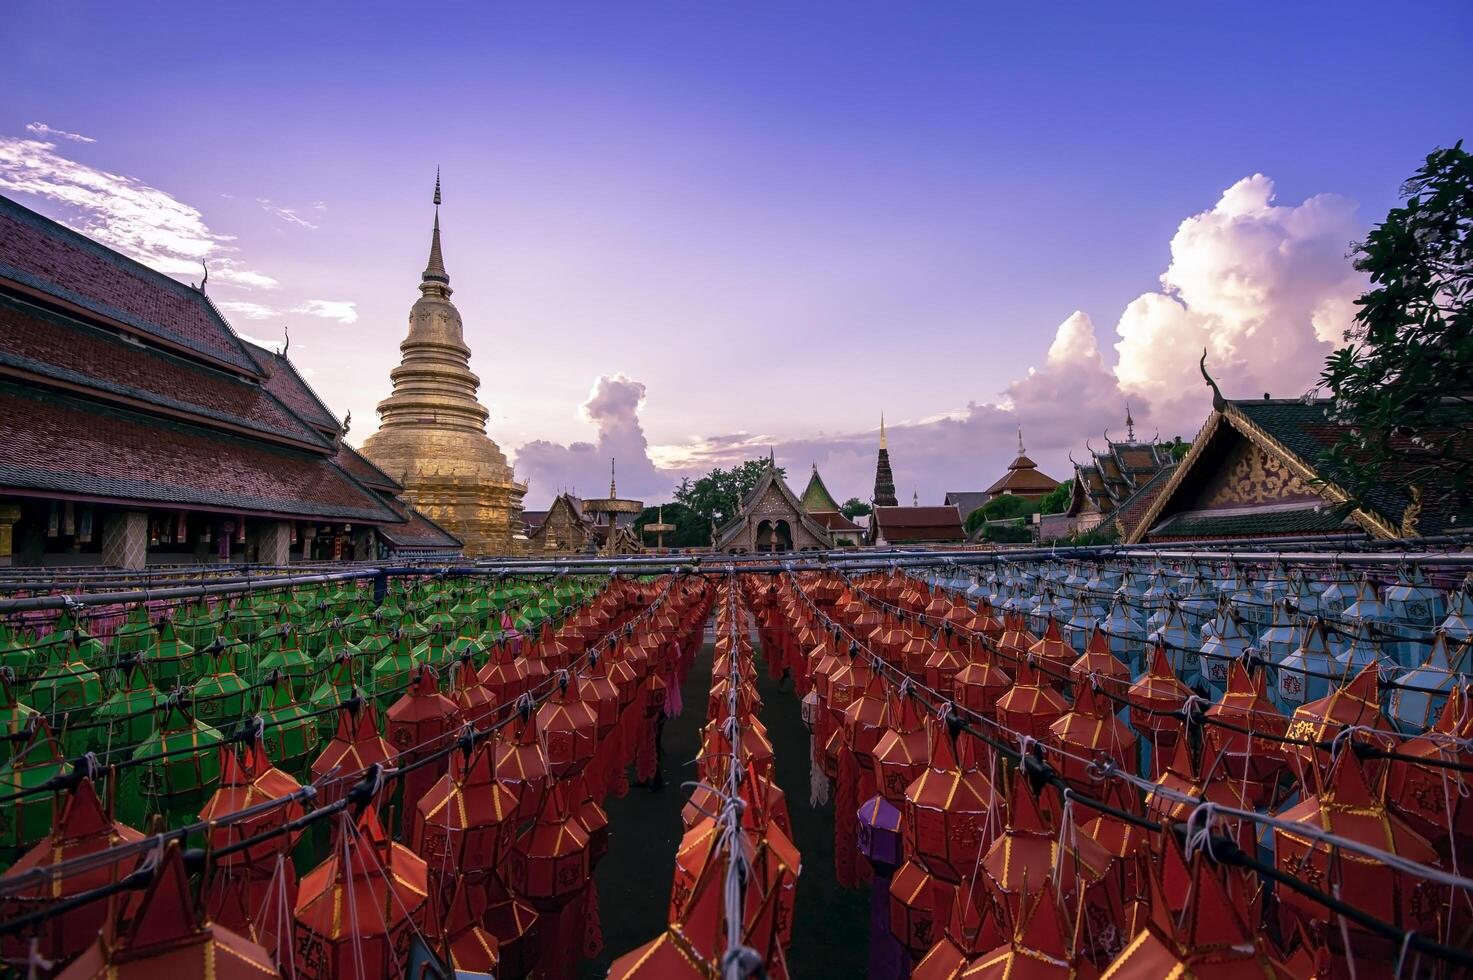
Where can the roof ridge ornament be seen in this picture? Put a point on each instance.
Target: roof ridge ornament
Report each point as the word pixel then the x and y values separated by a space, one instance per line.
pixel 435 267
pixel 1218 402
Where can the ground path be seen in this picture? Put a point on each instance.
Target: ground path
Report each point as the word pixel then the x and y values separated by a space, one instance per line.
pixel 831 929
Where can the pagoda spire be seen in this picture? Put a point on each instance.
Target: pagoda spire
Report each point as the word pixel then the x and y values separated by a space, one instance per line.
pixel 1020 442
pixel 435 268
pixel 1129 425
pixel 884 495
pixel 613 491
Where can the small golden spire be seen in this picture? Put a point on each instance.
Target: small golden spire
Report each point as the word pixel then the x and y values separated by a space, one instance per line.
pixel 884 444
pixel 1020 441
pixel 613 491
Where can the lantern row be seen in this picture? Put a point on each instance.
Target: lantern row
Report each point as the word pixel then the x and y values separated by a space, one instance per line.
pixel 736 868
pixel 888 744
pixel 550 767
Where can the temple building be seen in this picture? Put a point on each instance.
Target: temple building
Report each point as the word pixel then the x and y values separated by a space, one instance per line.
pixel 1022 479
pixel 884 495
pixel 432 430
pixel 908 526
pixel 573 525
pixel 1117 485
pixel 824 509
pixel 137 427
pixel 771 518
pixel 1252 473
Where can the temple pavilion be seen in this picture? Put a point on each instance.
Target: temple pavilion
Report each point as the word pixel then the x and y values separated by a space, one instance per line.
pixel 771 518
pixel 1116 486
pixel 432 430
pixel 138 428
pixel 1022 479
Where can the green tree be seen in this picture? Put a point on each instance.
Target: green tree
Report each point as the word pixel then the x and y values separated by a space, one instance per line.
pixel 717 496
pixel 1178 448
pixel 1056 501
pixel 1403 385
pixel 1008 533
pixel 854 507
pixel 691 529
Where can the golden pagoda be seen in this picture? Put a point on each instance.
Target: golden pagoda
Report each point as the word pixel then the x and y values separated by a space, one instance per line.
pixel 432 430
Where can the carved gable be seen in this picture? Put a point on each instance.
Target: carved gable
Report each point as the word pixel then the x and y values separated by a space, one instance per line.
pixel 1250 475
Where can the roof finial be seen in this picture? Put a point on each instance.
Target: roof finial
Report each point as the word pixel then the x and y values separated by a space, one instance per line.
pixel 203 282
pixel 435 268
pixel 347 421
pixel 771 458
pixel 884 443
pixel 1218 402
pixel 1129 424
pixel 287 331
pixel 1020 441
pixel 613 493
pixel 915 497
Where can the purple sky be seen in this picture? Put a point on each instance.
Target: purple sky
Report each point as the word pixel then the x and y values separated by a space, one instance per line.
pixel 683 232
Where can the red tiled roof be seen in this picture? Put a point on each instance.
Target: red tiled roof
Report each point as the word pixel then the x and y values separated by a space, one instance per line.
pixel 1022 480
pixel 59 444
pixel 939 516
pixel 360 469
pixel 902 524
pixel 45 256
pixel 283 381
pixel 533 518
pixel 70 352
pixel 417 531
pixel 833 520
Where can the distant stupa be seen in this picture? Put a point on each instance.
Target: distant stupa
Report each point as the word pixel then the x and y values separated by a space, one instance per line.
pixel 432 429
pixel 884 495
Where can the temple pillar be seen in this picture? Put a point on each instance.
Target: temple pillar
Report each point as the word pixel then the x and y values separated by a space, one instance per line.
pixel 9 514
pixel 125 539
pixel 274 543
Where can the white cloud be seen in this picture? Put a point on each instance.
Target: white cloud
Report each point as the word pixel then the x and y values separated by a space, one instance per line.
pixel 266 342
pixel 248 311
pixel 289 215
pixel 43 130
pixel 343 311
pixel 125 213
pixel 1266 289
pixel 613 406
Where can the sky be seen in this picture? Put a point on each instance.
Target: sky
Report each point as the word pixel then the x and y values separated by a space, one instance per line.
pixel 685 234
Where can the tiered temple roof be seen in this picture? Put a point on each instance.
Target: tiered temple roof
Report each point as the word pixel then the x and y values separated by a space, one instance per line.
pixel 1119 475
pixel 122 387
pixel 1023 478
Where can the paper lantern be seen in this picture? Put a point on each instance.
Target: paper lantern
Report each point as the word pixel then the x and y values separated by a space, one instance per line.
pixel 521 760
pixel 167 937
pixel 463 825
pixel 1255 762
pixel 919 904
pixel 550 863
pixel 1031 705
pixel 1090 731
pixel 84 828
pixel 946 811
pixel 1155 697
pixel 357 911
pixel 354 747
pixel 570 727
pixel 1357 705
pixel 247 780
pixel 1349 806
